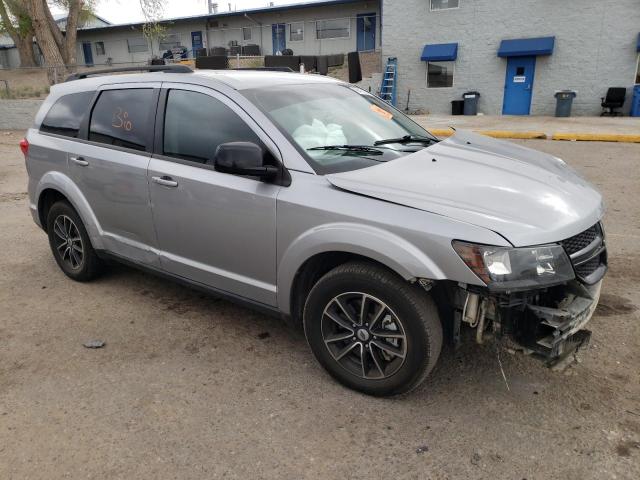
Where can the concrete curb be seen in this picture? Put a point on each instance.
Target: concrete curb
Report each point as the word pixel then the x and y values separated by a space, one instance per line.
pixel 597 137
pixel 440 132
pixel 578 137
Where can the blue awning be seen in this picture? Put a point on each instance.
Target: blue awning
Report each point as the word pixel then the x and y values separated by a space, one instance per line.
pixel 439 52
pixel 522 47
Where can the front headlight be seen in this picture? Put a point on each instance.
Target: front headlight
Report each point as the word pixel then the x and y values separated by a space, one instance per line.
pixel 506 268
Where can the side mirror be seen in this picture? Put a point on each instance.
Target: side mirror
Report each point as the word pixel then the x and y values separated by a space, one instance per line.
pixel 243 158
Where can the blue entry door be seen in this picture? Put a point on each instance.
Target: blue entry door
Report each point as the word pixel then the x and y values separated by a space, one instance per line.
pixel 279 37
pixel 196 42
pixel 366 32
pixel 88 54
pixel 518 85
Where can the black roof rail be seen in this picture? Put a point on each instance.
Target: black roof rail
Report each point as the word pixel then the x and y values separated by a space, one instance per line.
pixel 266 69
pixel 145 68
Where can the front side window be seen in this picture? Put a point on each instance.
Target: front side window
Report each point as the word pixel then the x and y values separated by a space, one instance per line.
pixel 100 48
pixel 121 118
pixel 195 124
pixel 137 44
pixel 246 33
pixel 296 32
pixel 638 71
pixel 439 74
pixel 65 116
pixel 323 120
pixel 444 4
pixel 338 28
pixel 169 41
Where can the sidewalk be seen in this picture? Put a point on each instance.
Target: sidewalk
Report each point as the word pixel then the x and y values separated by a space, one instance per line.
pixel 572 128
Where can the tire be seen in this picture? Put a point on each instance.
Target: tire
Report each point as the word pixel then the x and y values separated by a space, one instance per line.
pixel 400 333
pixel 70 243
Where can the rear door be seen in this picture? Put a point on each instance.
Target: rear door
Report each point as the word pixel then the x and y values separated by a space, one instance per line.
pixel 214 228
pixel 110 167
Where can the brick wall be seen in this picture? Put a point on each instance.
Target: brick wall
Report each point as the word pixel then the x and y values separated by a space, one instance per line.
pixel 595 49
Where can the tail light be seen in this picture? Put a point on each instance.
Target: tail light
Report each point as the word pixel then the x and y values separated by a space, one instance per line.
pixel 24 146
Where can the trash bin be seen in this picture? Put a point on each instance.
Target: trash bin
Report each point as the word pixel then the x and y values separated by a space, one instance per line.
pixel 471 103
pixel 564 100
pixel 635 102
pixel 457 107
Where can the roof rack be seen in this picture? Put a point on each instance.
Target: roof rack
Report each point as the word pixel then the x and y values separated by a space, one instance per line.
pixel 265 69
pixel 145 68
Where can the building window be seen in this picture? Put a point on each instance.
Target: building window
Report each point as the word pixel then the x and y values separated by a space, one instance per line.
pixel 169 41
pixel 296 32
pixel 338 28
pixel 137 44
pixel 439 74
pixel 99 48
pixel 444 4
pixel 246 33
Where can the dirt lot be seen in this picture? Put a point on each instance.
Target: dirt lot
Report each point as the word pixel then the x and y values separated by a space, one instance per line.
pixel 193 387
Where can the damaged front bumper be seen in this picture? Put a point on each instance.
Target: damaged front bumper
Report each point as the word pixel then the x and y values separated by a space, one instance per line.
pixel 549 323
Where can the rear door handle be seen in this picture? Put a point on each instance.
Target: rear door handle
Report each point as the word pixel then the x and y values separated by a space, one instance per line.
pixel 79 161
pixel 165 181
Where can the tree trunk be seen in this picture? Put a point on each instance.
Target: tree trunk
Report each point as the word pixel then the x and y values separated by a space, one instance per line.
pixel 71 31
pixel 25 51
pixel 22 39
pixel 38 10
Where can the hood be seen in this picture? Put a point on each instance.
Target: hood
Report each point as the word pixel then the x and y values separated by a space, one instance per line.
pixel 526 196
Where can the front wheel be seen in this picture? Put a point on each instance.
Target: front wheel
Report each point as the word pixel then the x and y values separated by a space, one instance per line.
pixel 371 330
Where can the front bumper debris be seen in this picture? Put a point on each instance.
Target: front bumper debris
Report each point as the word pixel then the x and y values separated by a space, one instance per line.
pixel 549 324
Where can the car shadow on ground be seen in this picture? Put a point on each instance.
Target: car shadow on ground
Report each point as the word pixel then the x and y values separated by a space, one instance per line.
pixel 472 369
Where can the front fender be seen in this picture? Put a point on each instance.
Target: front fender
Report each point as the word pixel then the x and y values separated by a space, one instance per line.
pixel 380 245
pixel 62 183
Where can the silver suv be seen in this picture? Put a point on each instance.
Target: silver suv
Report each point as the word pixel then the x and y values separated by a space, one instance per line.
pixel 314 200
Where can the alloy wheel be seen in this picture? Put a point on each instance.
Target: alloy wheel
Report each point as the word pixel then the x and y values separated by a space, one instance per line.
pixel 68 242
pixel 364 335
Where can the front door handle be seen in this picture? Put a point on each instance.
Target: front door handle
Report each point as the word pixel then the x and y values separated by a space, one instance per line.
pixel 79 161
pixel 165 181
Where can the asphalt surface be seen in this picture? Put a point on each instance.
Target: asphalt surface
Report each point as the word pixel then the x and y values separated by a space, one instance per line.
pixel 188 386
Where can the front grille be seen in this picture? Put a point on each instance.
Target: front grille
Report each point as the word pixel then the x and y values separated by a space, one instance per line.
pixel 590 260
pixel 589 267
pixel 578 242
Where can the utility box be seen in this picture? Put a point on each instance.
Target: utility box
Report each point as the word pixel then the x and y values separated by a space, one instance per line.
pixel 471 103
pixel 635 102
pixel 564 101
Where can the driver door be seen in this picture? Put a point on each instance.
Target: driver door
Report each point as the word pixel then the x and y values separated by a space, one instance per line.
pixel 213 228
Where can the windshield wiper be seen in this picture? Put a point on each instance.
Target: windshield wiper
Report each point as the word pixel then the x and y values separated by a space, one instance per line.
pixel 406 139
pixel 350 148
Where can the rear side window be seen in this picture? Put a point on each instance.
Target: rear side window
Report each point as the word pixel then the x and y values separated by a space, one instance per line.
pixel 121 118
pixel 65 116
pixel 195 124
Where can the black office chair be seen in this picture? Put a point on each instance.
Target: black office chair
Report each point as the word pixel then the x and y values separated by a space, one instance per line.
pixel 614 99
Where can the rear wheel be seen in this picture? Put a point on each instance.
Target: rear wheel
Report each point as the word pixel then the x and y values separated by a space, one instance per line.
pixel 371 330
pixel 70 243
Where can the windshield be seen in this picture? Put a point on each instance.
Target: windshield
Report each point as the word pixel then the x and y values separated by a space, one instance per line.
pixel 317 116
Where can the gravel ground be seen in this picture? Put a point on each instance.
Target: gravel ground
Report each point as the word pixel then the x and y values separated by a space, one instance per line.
pixel 189 386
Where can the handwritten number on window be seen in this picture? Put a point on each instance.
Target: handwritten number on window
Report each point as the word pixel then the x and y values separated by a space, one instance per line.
pixel 120 119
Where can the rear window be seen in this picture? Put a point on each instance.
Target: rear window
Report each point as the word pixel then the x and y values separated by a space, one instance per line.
pixel 121 118
pixel 65 116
